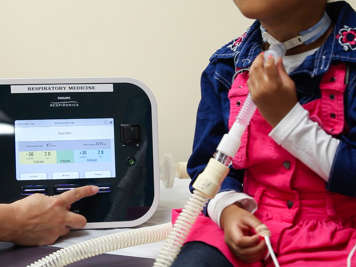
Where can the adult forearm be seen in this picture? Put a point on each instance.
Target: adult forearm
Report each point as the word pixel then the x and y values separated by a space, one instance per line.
pixel 9 226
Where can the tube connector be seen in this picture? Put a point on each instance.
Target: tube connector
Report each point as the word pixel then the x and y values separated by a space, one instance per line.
pixel 209 181
pixel 230 142
pixel 276 51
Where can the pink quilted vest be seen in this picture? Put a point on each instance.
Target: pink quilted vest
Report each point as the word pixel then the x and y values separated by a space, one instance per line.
pixel 267 162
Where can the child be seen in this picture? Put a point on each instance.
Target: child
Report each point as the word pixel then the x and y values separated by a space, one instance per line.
pixel 295 170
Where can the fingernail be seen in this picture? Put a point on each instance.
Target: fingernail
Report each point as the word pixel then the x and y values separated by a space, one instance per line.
pixel 94 188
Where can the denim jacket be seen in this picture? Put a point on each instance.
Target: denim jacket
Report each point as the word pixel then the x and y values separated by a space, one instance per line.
pixel 213 111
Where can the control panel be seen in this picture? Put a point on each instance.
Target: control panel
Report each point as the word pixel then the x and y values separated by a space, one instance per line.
pixel 56 135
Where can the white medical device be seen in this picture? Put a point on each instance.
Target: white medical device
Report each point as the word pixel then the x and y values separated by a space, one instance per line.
pixel 58 134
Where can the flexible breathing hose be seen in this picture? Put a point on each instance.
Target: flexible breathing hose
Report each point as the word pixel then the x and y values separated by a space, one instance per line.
pixel 180 230
pixel 246 112
pixel 104 244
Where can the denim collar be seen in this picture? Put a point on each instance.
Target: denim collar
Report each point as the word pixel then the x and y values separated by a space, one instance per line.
pixel 338 47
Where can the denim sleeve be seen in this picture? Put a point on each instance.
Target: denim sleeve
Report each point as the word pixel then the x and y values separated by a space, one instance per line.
pixel 342 177
pixel 211 125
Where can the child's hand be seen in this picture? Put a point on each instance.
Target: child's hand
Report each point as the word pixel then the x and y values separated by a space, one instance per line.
pixel 272 90
pixel 238 225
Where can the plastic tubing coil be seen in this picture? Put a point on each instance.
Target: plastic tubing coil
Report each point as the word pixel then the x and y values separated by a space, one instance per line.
pixel 104 244
pixel 181 228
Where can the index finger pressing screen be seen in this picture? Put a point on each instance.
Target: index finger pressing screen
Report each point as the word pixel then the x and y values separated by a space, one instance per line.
pixel 76 194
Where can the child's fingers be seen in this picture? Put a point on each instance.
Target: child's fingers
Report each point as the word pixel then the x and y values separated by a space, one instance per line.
pixel 239 239
pixel 251 84
pixel 252 251
pixel 270 61
pixel 257 69
pixel 249 222
pixel 245 241
pixel 280 67
pixel 258 64
pixel 270 68
pixel 286 80
pixel 249 251
pixel 282 71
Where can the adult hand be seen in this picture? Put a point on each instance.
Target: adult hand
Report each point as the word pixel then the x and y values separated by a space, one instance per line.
pixel 271 88
pixel 239 228
pixel 40 220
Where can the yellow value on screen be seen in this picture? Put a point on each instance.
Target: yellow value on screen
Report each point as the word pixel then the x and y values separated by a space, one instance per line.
pixel 38 157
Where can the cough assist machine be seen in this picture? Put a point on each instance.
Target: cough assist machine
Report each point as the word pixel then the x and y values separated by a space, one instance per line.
pixel 58 134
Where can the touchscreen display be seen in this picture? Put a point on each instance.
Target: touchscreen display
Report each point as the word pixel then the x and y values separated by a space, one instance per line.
pixel 64 149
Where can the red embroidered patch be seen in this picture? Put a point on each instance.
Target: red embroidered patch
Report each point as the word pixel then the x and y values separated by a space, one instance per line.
pixel 236 43
pixel 347 38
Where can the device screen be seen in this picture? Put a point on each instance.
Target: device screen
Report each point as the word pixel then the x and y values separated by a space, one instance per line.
pixel 64 149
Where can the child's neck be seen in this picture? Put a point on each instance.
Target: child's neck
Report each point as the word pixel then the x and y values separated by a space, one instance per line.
pixel 292 25
pixel 302 48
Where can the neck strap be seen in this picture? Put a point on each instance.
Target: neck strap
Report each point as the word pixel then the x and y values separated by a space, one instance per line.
pixel 307 36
